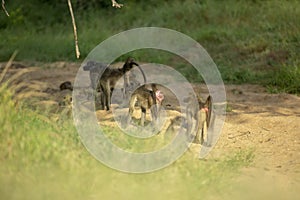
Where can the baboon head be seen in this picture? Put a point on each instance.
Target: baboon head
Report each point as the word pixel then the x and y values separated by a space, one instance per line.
pixel 207 107
pixel 67 85
pixel 66 100
pixel 89 65
pixel 206 104
pixel 129 65
pixel 94 67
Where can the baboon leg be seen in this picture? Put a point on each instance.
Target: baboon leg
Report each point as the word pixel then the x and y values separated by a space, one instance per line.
pixel 108 96
pixel 199 133
pixel 203 133
pixel 210 137
pixel 98 101
pixel 198 128
pixel 201 136
pixel 189 123
pixel 126 85
pixel 154 116
pixel 102 97
pixel 131 108
pixel 156 111
pixel 210 118
pixel 143 116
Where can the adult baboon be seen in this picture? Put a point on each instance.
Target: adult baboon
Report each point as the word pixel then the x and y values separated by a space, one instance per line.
pixel 95 69
pixel 109 78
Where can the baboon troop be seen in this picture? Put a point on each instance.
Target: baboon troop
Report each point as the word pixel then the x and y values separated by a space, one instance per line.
pixel 196 118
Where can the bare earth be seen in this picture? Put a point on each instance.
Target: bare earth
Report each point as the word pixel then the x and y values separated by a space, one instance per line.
pixel 267 123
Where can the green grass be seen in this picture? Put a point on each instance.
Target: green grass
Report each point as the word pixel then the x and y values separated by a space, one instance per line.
pixel 286 79
pixel 43 159
pixel 250 41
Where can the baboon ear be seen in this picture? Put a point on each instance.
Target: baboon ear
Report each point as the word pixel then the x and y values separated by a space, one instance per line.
pixel 129 60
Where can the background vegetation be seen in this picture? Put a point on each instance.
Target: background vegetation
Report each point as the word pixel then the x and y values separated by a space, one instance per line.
pixel 250 41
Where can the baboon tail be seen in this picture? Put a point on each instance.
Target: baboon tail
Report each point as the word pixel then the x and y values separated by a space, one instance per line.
pixel 144 76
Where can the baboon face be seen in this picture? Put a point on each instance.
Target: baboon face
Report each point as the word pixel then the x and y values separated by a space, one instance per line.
pixel 129 65
pixel 206 104
pixel 94 67
pixel 66 101
pixel 89 65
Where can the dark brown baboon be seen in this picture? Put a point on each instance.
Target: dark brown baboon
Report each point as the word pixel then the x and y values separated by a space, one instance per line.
pixel 110 77
pixel 67 85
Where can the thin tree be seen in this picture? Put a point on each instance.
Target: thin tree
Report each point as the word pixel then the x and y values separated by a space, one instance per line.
pixel 4 9
pixel 77 51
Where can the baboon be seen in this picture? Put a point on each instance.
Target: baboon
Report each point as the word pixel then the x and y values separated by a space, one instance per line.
pixel 147 99
pixel 176 124
pixel 95 69
pixel 67 85
pixel 110 77
pixel 106 84
pixel 66 100
pixel 130 84
pixel 201 115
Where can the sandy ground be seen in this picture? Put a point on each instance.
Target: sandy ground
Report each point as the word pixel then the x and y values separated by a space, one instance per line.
pixel 267 123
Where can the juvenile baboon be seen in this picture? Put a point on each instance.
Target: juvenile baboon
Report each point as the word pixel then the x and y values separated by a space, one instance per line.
pixel 201 115
pixel 67 85
pixel 146 99
pixel 176 125
pixel 66 100
pixel 130 84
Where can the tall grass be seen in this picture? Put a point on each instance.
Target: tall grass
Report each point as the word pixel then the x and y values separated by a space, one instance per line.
pixel 286 79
